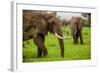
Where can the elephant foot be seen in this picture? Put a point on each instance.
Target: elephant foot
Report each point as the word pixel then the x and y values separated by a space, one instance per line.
pixel 62 55
pixel 45 54
pixel 81 43
pixel 42 53
pixel 39 51
pixel 39 56
pixel 75 42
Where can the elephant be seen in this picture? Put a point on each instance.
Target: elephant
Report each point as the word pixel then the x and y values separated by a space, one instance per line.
pixel 76 27
pixel 37 24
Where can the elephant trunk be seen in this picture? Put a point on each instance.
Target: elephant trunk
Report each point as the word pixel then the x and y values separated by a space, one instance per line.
pixel 61 43
pixel 60 37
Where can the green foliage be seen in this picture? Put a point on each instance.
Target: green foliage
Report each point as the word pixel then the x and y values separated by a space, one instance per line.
pixel 72 51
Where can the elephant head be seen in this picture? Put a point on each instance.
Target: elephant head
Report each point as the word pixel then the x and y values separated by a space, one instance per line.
pixel 76 25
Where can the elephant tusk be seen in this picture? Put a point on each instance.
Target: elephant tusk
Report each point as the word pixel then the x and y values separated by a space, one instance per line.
pixel 61 36
pixel 75 32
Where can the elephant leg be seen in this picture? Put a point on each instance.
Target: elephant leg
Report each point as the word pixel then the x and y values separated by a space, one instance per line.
pixel 41 45
pixel 77 35
pixel 81 37
pixel 39 52
pixel 75 39
pixel 44 46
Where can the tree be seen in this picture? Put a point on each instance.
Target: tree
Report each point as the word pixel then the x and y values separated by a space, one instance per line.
pixel 87 18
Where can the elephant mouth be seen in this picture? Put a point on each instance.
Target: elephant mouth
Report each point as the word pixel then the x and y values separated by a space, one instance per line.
pixel 62 37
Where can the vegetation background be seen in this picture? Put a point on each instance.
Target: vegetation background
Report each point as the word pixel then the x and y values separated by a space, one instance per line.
pixel 72 51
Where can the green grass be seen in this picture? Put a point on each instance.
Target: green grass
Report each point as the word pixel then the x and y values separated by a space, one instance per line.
pixel 72 51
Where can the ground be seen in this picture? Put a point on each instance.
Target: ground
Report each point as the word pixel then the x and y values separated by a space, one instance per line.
pixel 72 51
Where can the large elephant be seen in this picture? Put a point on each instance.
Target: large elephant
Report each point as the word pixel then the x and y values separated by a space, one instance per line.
pixel 76 25
pixel 37 24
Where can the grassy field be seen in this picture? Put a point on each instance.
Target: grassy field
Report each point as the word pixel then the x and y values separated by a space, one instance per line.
pixel 72 52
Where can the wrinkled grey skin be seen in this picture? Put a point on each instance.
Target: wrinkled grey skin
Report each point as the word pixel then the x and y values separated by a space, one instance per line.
pixel 36 25
pixel 76 26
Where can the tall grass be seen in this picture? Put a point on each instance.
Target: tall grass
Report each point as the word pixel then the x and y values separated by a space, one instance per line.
pixel 72 51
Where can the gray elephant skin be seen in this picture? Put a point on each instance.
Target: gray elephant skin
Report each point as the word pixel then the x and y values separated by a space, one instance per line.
pixel 37 24
pixel 76 26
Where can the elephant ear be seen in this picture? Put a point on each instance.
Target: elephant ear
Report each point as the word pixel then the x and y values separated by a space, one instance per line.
pixel 39 23
pixel 81 22
pixel 73 24
pixel 42 25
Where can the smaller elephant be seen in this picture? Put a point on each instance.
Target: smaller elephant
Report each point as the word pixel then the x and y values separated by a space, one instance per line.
pixel 76 25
